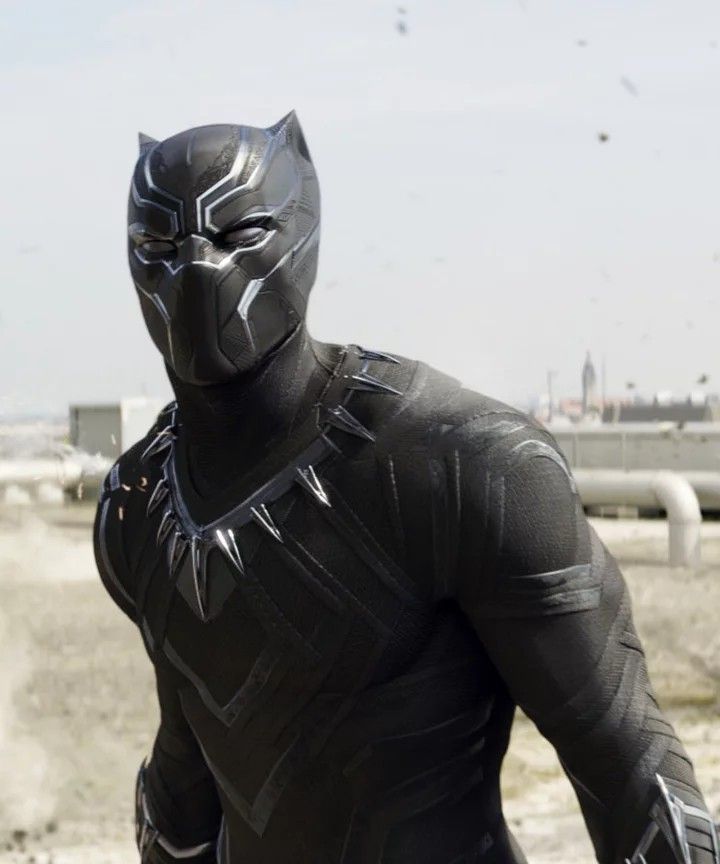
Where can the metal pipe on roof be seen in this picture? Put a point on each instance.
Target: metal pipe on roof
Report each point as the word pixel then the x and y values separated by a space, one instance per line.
pixel 30 472
pixel 665 489
pixel 707 487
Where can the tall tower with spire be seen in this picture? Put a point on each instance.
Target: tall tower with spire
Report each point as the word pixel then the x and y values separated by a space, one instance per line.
pixel 589 386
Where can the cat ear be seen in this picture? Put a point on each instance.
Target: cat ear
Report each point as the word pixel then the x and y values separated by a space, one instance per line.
pixel 145 142
pixel 285 124
pixel 289 126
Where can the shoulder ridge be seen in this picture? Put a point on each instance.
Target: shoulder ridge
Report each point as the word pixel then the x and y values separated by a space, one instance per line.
pixel 123 480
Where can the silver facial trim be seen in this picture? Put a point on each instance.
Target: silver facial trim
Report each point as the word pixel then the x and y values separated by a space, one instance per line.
pixel 157 302
pixel 220 265
pixel 158 190
pixel 139 201
pixel 249 185
pixel 254 285
pixel 233 173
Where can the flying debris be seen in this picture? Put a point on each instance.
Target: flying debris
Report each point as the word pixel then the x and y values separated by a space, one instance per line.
pixel 581 43
pixel 629 86
pixel 703 379
pixel 401 24
pixel 603 137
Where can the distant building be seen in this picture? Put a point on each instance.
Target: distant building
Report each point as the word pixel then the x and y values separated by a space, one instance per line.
pixel 109 429
pixel 590 401
pixel 662 411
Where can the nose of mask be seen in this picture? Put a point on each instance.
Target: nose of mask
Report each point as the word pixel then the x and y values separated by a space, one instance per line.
pixel 197 356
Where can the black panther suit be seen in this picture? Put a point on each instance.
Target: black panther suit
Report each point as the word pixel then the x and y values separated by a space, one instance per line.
pixel 348 570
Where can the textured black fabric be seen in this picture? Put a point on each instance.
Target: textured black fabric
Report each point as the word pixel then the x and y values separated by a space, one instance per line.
pixel 351 697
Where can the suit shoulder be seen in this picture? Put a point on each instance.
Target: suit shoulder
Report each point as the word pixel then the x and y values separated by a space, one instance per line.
pixel 439 408
pixel 123 491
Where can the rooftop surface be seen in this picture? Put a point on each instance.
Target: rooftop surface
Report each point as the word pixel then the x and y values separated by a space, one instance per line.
pixel 78 711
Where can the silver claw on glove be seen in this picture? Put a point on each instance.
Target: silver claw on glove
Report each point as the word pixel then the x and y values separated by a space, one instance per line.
pixel 687 830
pixel 154 848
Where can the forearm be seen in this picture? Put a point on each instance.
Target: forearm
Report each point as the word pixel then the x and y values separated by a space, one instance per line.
pixel 162 845
pixel 586 687
pixel 177 809
pixel 180 792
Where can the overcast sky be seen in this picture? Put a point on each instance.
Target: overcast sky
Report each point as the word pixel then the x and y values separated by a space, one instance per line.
pixel 471 215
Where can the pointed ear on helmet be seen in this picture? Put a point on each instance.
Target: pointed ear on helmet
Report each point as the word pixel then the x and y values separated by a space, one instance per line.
pixel 289 125
pixel 145 142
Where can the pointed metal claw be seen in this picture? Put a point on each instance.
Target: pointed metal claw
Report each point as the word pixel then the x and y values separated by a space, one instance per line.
pixel 176 550
pixel 226 541
pixel 371 384
pixel 669 816
pixel 262 516
pixel 342 419
pixel 366 354
pixel 199 574
pixel 308 479
pixel 167 523
pixel 159 494
pixel 160 442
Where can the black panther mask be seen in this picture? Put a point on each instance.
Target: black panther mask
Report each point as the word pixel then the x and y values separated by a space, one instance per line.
pixel 223 226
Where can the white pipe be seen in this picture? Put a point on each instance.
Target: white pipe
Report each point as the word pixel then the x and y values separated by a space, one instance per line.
pixel 707 487
pixel 32 472
pixel 667 489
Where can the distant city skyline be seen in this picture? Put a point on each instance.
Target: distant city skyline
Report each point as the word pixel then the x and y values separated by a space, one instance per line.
pixel 505 185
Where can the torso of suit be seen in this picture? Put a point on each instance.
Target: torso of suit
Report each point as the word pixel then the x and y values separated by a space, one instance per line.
pixel 317 626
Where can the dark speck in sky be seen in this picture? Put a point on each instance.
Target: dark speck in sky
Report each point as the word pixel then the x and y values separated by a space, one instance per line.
pixel 603 137
pixel 401 27
pixel 629 86
pixel 581 43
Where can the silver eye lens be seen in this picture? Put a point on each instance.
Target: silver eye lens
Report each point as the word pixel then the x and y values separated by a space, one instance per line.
pixel 157 247
pixel 245 236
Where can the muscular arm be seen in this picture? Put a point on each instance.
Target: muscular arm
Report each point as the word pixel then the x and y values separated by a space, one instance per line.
pixel 178 811
pixel 553 611
pixel 177 807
